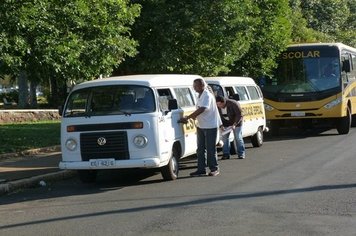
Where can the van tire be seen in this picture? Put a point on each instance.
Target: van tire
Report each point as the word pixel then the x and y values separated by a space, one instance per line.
pixel 170 171
pixel 87 176
pixel 257 138
pixel 344 123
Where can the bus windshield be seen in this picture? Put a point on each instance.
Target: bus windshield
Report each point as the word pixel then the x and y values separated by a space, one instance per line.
pixel 305 71
pixel 110 100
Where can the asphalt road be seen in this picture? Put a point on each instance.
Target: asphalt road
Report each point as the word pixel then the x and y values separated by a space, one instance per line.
pixel 301 183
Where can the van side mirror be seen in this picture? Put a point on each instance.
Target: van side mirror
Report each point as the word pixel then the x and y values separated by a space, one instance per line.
pixel 60 110
pixel 172 104
pixel 346 66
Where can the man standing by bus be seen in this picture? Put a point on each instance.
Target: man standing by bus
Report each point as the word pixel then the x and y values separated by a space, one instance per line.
pixel 231 117
pixel 208 123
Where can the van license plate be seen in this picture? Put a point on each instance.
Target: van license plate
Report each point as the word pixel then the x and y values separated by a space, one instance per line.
pixel 298 113
pixel 101 162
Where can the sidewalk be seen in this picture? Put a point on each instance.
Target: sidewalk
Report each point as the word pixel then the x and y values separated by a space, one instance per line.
pixel 30 169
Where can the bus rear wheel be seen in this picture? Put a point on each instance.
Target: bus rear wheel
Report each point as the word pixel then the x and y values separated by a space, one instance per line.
pixel 344 123
pixel 170 171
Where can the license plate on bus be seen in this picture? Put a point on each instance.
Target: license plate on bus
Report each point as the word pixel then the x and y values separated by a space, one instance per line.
pixel 101 162
pixel 298 113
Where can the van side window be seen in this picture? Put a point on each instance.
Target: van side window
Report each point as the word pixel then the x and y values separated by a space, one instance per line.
pixel 163 96
pixel 217 89
pixel 242 92
pixel 230 92
pixel 184 97
pixel 253 93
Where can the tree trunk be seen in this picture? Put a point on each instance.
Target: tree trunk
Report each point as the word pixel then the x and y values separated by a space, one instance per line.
pixel 33 96
pixel 23 90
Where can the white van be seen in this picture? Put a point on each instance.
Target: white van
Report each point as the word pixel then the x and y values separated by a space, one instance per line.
pixel 249 95
pixel 128 122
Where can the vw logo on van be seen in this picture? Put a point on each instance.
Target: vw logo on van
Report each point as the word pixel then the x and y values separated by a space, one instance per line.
pixel 101 141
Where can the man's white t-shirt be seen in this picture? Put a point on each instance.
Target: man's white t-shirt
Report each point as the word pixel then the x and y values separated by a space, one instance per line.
pixel 210 118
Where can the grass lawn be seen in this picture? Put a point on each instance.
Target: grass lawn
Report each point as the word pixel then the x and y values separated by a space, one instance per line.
pixel 23 136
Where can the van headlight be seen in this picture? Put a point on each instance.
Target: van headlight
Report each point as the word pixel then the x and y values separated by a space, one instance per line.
pixel 333 103
pixel 268 107
pixel 140 141
pixel 71 144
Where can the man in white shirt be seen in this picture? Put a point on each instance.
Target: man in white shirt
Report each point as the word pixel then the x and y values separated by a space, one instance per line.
pixel 208 123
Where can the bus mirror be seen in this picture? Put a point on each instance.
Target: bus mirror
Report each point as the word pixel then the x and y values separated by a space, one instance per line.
pixel 346 66
pixel 172 104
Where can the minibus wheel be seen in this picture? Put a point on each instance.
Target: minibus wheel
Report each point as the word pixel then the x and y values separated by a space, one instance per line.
pixel 257 138
pixel 170 171
pixel 87 176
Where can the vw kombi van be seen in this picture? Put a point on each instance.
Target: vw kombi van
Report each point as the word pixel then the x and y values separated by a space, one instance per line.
pixel 249 95
pixel 128 122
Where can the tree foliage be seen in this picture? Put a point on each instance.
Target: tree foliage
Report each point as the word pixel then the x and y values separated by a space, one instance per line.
pixel 60 39
pixel 202 37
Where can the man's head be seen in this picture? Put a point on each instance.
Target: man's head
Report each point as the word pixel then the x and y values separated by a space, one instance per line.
pixel 199 85
pixel 220 101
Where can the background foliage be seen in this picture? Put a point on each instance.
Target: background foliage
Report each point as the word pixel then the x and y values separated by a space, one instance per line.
pixel 55 43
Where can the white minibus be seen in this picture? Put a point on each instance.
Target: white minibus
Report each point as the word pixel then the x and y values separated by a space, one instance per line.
pixel 249 95
pixel 128 122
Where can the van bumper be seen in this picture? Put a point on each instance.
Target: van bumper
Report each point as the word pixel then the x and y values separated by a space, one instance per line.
pixel 115 164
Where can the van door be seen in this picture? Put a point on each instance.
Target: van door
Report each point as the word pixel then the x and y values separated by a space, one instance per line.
pixel 186 103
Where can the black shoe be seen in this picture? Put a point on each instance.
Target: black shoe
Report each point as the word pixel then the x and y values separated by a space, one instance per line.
pixel 225 157
pixel 198 173
pixel 241 157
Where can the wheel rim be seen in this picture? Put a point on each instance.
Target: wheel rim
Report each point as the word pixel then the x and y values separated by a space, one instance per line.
pixel 174 166
pixel 259 137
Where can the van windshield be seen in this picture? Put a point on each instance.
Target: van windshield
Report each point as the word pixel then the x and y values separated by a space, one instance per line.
pixel 110 100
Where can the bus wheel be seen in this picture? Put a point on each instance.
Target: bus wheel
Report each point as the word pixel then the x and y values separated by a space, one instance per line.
pixel 87 176
pixel 344 123
pixel 353 121
pixel 170 171
pixel 257 139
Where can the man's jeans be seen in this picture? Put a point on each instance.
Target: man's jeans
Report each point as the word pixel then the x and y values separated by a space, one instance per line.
pixel 238 142
pixel 206 151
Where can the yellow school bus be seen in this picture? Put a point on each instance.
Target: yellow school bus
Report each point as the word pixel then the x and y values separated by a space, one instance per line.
pixel 314 83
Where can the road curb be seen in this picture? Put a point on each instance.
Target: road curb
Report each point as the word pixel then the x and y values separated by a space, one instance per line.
pixel 35 181
pixel 30 152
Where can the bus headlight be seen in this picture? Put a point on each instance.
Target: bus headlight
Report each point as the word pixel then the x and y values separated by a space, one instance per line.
pixel 268 107
pixel 71 144
pixel 140 141
pixel 333 103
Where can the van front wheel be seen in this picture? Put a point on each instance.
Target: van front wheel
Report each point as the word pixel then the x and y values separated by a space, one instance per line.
pixel 170 171
pixel 257 139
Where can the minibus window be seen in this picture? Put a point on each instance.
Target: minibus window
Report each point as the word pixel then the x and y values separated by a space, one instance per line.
pixel 164 96
pixel 110 100
pixel 241 90
pixel 253 92
pixel 184 97
pixel 218 91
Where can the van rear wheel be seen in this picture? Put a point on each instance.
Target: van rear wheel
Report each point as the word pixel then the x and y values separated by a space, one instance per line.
pixel 257 139
pixel 87 176
pixel 170 171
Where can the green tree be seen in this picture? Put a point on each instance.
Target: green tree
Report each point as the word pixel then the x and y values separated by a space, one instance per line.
pixel 271 35
pixel 58 40
pixel 327 17
pixel 202 36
